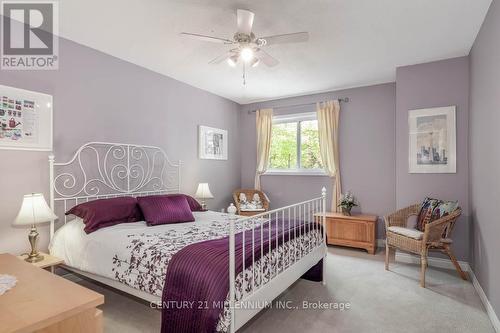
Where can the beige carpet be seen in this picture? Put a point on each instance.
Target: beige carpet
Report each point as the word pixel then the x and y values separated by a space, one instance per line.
pixel 380 301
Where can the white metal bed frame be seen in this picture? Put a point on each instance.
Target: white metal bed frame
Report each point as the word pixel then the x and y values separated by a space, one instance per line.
pixel 107 170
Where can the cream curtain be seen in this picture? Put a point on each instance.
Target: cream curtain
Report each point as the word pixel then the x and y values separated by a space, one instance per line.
pixel 264 122
pixel 328 129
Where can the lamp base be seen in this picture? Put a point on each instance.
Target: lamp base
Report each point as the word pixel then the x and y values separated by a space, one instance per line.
pixel 34 257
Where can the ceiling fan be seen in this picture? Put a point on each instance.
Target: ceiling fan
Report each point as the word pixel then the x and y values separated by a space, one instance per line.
pixel 247 48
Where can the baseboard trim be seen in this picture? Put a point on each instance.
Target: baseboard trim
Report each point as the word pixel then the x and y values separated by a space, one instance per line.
pixel 380 242
pixel 487 305
pixel 432 261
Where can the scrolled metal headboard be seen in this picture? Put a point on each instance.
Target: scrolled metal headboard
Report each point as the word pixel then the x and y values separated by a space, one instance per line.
pixel 106 170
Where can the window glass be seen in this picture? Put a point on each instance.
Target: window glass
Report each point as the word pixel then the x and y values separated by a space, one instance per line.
pixel 309 157
pixel 284 146
pixel 295 144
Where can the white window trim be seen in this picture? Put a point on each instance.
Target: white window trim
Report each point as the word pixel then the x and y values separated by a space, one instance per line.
pixel 294 117
pixel 295 172
pixel 288 118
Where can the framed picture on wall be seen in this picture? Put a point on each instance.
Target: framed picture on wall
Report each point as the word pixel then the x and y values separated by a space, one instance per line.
pixel 432 140
pixel 25 119
pixel 213 143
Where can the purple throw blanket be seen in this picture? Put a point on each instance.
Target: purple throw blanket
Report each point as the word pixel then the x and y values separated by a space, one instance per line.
pixel 197 279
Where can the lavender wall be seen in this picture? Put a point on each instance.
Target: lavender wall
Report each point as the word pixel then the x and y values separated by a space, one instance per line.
pixel 484 159
pixel 367 150
pixel 435 84
pixel 101 98
pixel 374 144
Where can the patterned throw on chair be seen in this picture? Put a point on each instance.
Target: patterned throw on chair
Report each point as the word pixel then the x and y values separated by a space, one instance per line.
pixel 434 209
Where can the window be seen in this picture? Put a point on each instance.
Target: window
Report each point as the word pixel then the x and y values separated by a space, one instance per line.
pixel 295 145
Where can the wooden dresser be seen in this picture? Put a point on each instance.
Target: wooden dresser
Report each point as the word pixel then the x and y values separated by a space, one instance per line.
pixel 42 302
pixel 354 231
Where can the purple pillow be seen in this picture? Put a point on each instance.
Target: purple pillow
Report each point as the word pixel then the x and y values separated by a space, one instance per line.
pixel 165 209
pixel 193 203
pixel 103 213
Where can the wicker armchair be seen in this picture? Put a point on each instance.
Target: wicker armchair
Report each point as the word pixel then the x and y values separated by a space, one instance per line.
pixel 436 236
pixel 250 193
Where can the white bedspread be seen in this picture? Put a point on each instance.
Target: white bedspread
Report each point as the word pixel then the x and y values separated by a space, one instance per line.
pixel 94 252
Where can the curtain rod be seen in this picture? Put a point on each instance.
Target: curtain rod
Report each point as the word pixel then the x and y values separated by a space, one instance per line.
pixel 344 100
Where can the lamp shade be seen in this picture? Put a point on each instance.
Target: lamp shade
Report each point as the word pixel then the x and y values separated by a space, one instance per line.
pixel 203 191
pixel 34 210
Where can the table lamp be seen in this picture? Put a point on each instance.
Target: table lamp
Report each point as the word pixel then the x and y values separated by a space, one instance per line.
pixel 34 210
pixel 203 192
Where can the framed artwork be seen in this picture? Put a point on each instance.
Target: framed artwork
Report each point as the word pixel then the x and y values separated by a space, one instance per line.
pixel 213 143
pixel 432 140
pixel 25 119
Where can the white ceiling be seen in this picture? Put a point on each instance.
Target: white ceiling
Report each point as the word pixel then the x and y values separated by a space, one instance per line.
pixel 352 42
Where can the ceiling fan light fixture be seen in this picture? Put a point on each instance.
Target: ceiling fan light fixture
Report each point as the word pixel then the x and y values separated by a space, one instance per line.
pixel 255 62
pixel 246 48
pixel 246 54
pixel 232 60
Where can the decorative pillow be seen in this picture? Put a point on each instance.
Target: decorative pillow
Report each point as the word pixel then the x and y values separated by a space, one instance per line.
pixel 103 213
pixel 193 203
pixel 165 209
pixel 434 209
pixel 425 213
pixel 443 209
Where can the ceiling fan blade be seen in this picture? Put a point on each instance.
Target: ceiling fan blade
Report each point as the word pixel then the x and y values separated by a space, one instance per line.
pixel 267 59
pixel 207 38
pixel 220 58
pixel 244 20
pixel 296 37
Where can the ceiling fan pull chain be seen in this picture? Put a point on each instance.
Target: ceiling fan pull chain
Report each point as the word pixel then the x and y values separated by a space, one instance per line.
pixel 244 75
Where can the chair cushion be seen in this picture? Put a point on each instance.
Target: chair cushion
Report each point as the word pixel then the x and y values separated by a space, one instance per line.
pixel 434 209
pixel 411 233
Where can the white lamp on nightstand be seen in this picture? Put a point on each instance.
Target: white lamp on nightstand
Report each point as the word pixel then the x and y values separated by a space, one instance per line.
pixel 34 210
pixel 203 192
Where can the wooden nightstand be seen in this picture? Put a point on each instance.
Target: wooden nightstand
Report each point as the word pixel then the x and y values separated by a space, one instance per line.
pixel 47 262
pixel 42 302
pixel 354 231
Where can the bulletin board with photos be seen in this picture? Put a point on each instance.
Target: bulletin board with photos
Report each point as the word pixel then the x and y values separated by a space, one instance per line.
pixel 25 119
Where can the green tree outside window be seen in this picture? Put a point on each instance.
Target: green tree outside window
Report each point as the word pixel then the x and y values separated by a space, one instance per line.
pixel 285 150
